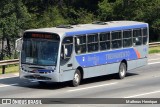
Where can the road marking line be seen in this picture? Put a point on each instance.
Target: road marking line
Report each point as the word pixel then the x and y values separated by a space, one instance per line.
pixel 92 87
pixel 157 54
pixel 153 63
pixel 153 59
pixel 143 94
pixel 156 76
pixel 6 85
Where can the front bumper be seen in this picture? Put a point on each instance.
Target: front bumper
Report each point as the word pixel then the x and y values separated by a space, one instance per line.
pixel 51 77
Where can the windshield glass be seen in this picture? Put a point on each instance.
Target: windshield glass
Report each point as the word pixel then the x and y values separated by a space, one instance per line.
pixel 39 52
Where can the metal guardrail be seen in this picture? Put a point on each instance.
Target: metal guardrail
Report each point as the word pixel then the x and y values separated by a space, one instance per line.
pixel 154 44
pixel 4 63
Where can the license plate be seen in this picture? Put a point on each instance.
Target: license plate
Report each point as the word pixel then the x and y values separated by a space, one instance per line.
pixel 36 76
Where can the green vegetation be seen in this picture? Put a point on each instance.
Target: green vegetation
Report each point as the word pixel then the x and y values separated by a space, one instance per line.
pixel 19 15
pixel 154 50
pixel 11 69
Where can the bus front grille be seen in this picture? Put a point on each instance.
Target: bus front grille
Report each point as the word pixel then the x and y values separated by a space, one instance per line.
pixel 38 77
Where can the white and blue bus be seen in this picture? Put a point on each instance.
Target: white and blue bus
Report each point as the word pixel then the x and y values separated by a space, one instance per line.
pixel 73 53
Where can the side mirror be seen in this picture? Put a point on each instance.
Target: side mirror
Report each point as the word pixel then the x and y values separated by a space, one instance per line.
pixel 18 45
pixel 66 51
pixel 78 41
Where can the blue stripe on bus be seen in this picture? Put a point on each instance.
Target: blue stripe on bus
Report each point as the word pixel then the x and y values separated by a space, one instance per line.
pixel 105 29
pixel 101 58
pixel 44 70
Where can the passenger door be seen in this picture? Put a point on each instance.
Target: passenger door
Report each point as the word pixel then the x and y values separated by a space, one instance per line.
pixel 66 59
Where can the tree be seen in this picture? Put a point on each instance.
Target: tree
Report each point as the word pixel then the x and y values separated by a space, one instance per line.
pixel 138 10
pixel 13 17
pixel 106 10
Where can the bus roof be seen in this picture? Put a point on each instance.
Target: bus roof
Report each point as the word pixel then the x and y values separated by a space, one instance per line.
pixel 91 28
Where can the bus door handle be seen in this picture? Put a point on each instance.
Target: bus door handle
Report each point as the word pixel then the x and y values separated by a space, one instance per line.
pixel 69 65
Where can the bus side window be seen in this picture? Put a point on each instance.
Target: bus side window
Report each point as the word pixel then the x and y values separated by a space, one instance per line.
pixel 127 38
pixel 104 41
pixel 145 36
pixel 80 44
pixel 137 37
pixel 92 42
pixel 116 39
pixel 66 50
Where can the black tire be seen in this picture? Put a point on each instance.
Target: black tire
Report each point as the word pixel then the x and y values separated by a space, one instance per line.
pixel 76 79
pixel 42 83
pixel 122 71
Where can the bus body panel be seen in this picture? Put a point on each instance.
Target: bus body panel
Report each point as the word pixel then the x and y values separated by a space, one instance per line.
pixel 131 64
pixel 143 54
pixel 67 73
pixel 95 63
pixel 108 57
pixel 100 70
pixel 107 29
pixel 27 72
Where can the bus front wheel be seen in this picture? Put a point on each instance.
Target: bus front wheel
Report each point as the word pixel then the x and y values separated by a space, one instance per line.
pixel 122 71
pixel 76 79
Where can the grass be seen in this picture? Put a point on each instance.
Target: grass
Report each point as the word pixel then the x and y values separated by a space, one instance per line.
pixel 11 69
pixel 154 50
pixel 15 68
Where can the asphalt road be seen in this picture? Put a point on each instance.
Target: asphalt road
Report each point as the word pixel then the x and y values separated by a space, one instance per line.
pixel 143 82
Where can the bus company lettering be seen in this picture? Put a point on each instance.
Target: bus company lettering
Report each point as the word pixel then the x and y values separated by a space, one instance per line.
pixel 93 59
pixel 117 55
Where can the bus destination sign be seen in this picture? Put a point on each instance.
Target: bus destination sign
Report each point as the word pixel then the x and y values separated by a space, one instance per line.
pixel 41 35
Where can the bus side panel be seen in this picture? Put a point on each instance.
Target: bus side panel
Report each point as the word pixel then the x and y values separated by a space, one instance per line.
pixel 96 71
pixel 102 70
pixel 68 75
pixel 131 64
pixel 136 63
pixel 66 71
pixel 142 53
pixel 114 68
pixel 141 62
pixel 102 63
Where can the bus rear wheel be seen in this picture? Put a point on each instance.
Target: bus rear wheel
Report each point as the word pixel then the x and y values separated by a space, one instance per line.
pixel 122 71
pixel 76 79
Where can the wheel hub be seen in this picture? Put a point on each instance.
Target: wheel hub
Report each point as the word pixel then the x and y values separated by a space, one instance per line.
pixel 122 72
pixel 76 78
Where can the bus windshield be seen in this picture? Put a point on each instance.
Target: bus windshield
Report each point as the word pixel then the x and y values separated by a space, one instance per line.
pixel 39 52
